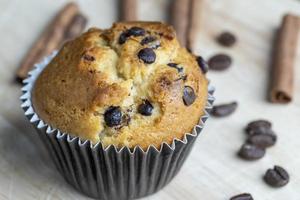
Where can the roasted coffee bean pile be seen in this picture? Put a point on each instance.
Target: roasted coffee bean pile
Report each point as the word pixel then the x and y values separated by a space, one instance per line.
pixel 259 137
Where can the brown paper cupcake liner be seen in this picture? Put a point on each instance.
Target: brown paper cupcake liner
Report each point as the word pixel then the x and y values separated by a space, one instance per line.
pixel 109 173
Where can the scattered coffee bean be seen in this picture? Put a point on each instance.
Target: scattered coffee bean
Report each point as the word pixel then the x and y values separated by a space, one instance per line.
pixel 223 110
pixel 134 31
pixel 277 177
pixel 258 127
pixel 113 116
pixel 219 62
pixel 251 152
pixel 147 55
pixel 145 108
pixel 244 196
pixel 175 65
pixel 226 39
pixel 263 140
pixel 189 95
pixel 148 40
pixel 202 64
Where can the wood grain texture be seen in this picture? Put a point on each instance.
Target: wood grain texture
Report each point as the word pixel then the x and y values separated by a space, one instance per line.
pixel 212 171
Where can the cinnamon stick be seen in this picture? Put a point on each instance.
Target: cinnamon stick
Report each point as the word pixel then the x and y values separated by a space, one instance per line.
pixel 128 10
pixel 283 60
pixel 77 25
pixel 194 21
pixel 180 19
pixel 66 24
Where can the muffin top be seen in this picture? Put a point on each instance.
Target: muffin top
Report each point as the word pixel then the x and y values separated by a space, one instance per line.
pixel 130 85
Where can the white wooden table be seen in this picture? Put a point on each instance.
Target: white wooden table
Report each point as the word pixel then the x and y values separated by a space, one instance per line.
pixel 212 172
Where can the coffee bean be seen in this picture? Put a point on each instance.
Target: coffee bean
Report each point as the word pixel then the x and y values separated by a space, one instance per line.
pixel 148 40
pixel 145 108
pixel 244 196
pixel 251 152
pixel 226 39
pixel 263 140
pixel 223 110
pixel 202 64
pixel 113 116
pixel 147 55
pixel 258 127
pixel 277 177
pixel 134 31
pixel 175 65
pixel 219 62
pixel 188 95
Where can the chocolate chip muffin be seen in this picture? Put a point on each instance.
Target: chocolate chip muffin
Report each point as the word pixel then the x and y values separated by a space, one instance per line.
pixel 130 85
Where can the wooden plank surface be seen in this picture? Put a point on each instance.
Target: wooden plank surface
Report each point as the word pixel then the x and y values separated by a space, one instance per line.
pixel 212 171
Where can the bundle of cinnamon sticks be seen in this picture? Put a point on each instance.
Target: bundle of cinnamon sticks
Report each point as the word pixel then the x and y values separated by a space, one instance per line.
pixel 67 24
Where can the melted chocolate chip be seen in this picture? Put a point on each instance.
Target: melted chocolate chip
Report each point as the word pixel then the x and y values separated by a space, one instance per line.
pixel 113 116
pixel 148 40
pixel 188 95
pixel 202 64
pixel 88 57
pixel 145 108
pixel 123 37
pixel 175 65
pixel 134 31
pixel 147 55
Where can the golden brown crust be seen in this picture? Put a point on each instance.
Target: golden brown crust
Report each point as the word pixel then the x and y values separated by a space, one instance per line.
pixel 94 72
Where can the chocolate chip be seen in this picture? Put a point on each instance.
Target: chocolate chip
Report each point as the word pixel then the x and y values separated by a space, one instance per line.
pixel 147 55
pixel 223 110
pixel 151 41
pixel 145 108
pixel 126 119
pixel 88 57
pixel 134 31
pixel 251 152
pixel 219 62
pixel 226 39
pixel 202 64
pixel 148 40
pixel 258 127
pixel 263 140
pixel 188 95
pixel 244 196
pixel 123 37
pixel 113 116
pixel 277 177
pixel 175 65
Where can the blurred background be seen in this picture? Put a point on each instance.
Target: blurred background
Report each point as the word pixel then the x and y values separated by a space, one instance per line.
pixel 212 171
